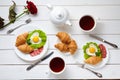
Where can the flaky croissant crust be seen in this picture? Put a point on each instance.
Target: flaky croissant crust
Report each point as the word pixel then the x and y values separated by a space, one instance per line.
pixel 25 48
pixel 21 39
pixel 21 43
pixel 62 47
pixel 72 46
pixel 66 44
pixel 93 60
pixel 64 37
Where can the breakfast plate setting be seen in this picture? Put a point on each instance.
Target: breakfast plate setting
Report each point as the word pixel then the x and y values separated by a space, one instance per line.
pixel 94 55
pixel 35 44
pixel 30 44
pixel 65 39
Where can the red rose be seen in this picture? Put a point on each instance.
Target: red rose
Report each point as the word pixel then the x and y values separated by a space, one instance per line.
pixel 31 7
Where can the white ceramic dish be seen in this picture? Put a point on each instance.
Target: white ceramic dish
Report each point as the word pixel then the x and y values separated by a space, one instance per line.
pixel 97 66
pixel 101 64
pixel 28 57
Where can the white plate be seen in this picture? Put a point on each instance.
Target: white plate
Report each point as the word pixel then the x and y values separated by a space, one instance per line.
pixel 28 57
pixel 97 66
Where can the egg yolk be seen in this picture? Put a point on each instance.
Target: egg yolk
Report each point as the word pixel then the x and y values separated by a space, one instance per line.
pixel 35 39
pixel 92 50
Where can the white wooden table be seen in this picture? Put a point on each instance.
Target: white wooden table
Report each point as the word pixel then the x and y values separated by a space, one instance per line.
pixel 108 27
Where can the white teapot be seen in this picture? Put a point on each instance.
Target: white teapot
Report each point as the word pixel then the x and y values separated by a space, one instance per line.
pixel 59 16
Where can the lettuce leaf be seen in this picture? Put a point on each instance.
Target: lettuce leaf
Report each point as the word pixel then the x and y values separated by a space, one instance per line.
pixel 43 37
pixel 86 56
pixel 98 53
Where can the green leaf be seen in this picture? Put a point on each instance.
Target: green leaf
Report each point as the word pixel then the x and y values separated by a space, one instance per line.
pixel 98 53
pixel 43 37
pixel 1 22
pixel 12 13
pixel 86 56
pixel 28 42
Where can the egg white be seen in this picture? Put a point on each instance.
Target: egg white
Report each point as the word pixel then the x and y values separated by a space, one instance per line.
pixel 33 35
pixel 89 53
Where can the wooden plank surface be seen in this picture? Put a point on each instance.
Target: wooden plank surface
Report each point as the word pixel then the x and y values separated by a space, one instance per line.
pixel 42 72
pixel 10 57
pixel 10 40
pixel 65 2
pixel 106 27
pixel 107 14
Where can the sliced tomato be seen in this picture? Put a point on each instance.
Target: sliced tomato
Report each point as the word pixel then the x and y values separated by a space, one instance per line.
pixel 103 50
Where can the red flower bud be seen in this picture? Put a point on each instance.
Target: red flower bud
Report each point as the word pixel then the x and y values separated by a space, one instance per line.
pixel 31 7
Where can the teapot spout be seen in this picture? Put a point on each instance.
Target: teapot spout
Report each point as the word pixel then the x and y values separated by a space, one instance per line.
pixel 49 6
pixel 68 23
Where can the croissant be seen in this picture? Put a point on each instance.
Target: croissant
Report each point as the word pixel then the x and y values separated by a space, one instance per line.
pixel 21 39
pixel 62 47
pixel 72 47
pixel 93 60
pixel 25 48
pixel 64 37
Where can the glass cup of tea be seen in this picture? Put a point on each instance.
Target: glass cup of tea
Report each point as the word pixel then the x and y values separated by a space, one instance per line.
pixel 57 65
pixel 87 23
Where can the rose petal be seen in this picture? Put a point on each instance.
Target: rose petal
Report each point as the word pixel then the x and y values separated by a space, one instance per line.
pixel 31 7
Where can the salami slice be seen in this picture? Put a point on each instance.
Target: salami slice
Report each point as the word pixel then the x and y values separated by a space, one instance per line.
pixel 103 50
pixel 36 52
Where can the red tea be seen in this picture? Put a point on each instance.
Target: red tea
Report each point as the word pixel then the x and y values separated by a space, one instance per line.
pixel 86 23
pixel 57 64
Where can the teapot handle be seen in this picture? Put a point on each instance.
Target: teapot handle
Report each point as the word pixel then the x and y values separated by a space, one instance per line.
pixel 68 23
pixel 49 6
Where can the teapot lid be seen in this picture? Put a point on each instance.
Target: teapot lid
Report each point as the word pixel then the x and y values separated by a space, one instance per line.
pixel 59 15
